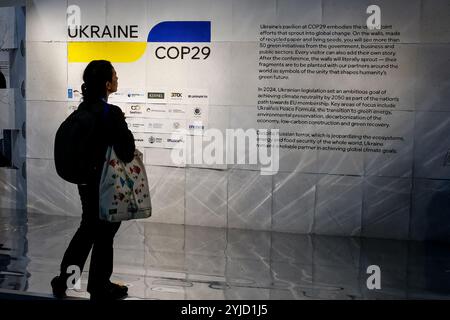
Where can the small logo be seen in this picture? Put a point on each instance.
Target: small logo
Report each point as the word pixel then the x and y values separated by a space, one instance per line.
pixel 196 126
pixel 176 95
pixel 155 125
pixel 197 111
pixel 130 95
pixel 135 107
pixel 153 140
pixel 197 96
pixel 149 109
pixel 176 111
pixel 174 140
pixel 155 95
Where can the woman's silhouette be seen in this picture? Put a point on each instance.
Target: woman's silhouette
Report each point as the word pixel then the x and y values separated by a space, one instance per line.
pixel 100 80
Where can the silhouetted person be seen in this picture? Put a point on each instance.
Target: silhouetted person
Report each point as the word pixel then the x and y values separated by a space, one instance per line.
pixel 100 80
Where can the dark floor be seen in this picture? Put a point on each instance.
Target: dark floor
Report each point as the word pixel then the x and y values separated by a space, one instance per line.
pixel 163 261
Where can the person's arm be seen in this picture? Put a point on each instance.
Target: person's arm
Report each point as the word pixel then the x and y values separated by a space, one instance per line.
pixel 122 138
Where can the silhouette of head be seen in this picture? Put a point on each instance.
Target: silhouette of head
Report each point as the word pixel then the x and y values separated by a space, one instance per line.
pixel 100 80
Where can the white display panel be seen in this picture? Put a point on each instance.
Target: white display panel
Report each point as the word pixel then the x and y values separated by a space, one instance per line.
pixel 47 71
pixel 4 67
pixel 43 119
pixel 354 109
pixel 7 114
pixel 8 28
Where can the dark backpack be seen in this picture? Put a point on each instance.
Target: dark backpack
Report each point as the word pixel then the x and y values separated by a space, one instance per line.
pixel 75 146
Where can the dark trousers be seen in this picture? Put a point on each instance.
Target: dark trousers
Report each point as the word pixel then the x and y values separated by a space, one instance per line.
pixel 94 234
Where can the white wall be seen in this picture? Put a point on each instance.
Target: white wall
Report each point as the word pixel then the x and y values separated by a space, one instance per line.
pixel 319 192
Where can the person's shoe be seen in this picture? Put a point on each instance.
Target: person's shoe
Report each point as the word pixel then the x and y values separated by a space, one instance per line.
pixel 119 288
pixel 58 287
pixel 112 292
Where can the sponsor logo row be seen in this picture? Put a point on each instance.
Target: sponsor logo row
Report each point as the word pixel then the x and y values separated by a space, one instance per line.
pixel 166 111
pixel 143 125
pixel 159 140
pixel 159 96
